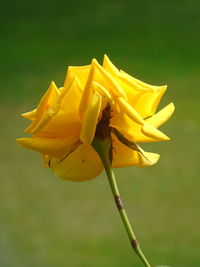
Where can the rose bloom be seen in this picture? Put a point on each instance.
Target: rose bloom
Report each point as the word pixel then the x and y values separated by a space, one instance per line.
pixel 64 123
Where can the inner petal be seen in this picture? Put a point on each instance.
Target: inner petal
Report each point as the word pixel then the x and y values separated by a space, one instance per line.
pixel 91 119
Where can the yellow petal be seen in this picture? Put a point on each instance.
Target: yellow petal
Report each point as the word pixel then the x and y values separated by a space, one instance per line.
pixel 124 156
pixel 30 115
pixel 64 90
pixel 87 92
pixel 115 87
pixel 56 147
pixel 152 132
pixel 144 97
pixel 148 159
pixel 46 160
pixel 109 66
pixel 147 103
pixel 129 110
pixel 81 73
pixel 162 116
pixel 130 87
pixel 91 119
pixel 66 122
pixel 133 131
pixel 82 165
pixel 46 109
pixel 130 81
pixel 122 78
pixel 102 91
pixel 140 83
pixel 147 129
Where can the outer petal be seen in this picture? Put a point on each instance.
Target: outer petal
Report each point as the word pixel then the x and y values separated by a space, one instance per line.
pixel 153 132
pixel 147 129
pixel 81 165
pixel 162 116
pixel 140 83
pixel 134 131
pixel 31 115
pixel 124 156
pixel 56 147
pixel 109 66
pixel 46 160
pixel 130 111
pixel 46 109
pixel 147 103
pixel 67 121
pixel 142 96
pixel 130 87
pixel 81 73
pixel 91 119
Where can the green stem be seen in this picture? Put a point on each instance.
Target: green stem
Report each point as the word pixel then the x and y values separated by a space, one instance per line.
pixel 103 150
pixel 123 215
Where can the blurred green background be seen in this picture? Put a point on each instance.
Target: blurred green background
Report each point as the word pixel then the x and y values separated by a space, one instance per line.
pixel 46 222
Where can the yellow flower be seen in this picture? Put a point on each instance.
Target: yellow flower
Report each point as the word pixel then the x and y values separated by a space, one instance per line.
pixel 65 121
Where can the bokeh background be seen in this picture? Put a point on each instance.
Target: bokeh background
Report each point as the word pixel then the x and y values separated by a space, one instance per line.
pixel 45 222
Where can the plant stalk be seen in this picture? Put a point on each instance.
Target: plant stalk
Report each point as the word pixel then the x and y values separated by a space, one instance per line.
pixel 103 148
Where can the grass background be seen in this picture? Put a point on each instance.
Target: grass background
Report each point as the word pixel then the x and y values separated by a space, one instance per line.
pixel 45 222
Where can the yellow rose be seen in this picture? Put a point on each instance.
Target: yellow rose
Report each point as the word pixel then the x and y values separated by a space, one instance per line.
pixel 65 121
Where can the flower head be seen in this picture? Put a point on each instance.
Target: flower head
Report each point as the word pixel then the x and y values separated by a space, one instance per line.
pixel 96 101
